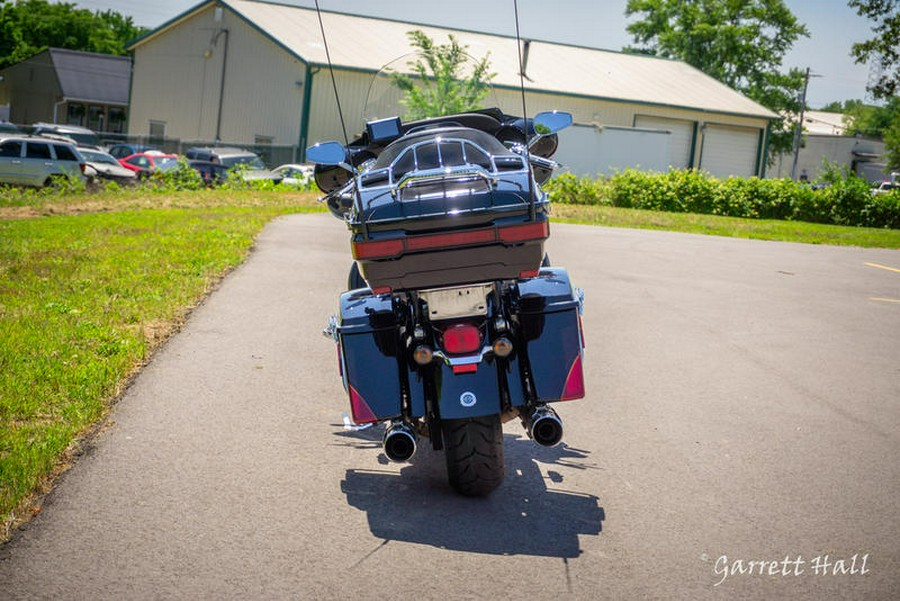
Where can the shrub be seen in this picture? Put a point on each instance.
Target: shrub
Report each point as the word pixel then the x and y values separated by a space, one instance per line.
pixel 839 197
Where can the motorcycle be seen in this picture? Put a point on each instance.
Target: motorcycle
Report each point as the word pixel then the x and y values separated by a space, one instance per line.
pixel 454 322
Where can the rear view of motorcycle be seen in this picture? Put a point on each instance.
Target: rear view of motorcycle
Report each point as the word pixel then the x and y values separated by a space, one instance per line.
pixel 454 323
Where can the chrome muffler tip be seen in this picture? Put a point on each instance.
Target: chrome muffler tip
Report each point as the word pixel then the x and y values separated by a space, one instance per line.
pixel 399 442
pixel 544 426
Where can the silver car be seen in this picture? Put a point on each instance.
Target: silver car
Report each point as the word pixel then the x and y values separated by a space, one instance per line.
pixel 103 166
pixel 36 161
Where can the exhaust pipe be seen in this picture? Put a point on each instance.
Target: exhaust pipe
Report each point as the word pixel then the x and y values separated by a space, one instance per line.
pixel 399 441
pixel 544 426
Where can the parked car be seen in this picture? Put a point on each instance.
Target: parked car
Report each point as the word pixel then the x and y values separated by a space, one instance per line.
pixel 9 128
pixel 145 163
pixel 246 163
pixel 82 135
pixel 213 174
pixel 103 166
pixel 295 175
pixel 120 151
pixel 36 161
pixel 884 188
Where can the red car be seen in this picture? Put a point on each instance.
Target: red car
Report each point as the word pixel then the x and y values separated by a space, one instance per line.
pixel 145 163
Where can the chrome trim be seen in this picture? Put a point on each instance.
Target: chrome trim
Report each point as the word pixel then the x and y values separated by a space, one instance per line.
pixel 465 360
pixel 445 173
pixel 332 330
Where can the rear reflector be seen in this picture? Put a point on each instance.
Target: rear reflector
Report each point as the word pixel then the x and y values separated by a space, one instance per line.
pixel 469 368
pixel 574 388
pixel 362 413
pixel 462 338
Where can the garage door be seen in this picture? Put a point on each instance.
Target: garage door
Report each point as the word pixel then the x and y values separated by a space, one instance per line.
pixel 680 139
pixel 729 150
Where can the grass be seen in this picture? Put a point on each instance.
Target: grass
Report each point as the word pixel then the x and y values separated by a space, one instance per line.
pixel 84 299
pixel 91 284
pixel 758 229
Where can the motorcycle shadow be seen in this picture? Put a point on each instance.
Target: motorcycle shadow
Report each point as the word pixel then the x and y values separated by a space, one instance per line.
pixel 522 517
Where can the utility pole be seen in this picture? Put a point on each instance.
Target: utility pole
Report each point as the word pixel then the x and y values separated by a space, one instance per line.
pixel 798 132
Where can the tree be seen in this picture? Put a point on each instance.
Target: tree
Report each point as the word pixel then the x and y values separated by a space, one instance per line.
pixel 884 47
pixel 31 26
pixel 739 42
pixel 892 144
pixel 440 86
pixel 873 122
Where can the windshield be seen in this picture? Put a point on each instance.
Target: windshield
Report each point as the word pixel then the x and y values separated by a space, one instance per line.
pixel 97 157
pixel 251 161
pixel 165 162
pixel 407 88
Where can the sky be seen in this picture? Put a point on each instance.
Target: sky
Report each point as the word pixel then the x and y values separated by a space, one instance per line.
pixel 833 28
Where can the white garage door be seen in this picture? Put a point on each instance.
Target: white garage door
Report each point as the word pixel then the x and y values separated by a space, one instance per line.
pixel 680 139
pixel 729 150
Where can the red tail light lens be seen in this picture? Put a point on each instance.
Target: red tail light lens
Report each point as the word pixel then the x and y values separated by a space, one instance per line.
pixel 509 234
pixel 462 338
pixel 377 249
pixel 529 231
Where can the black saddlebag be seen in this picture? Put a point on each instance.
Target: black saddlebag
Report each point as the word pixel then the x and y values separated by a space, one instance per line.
pixel 550 324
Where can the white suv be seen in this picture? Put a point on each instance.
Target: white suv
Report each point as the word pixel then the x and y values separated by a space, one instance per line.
pixel 36 161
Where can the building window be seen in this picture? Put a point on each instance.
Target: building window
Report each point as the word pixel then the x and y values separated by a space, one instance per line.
pixel 96 118
pixel 157 132
pixel 116 121
pixel 75 114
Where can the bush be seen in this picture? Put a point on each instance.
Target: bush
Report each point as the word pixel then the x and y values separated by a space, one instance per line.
pixel 839 198
pixel 568 189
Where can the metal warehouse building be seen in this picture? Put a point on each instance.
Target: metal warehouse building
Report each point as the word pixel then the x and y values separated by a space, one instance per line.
pixel 250 72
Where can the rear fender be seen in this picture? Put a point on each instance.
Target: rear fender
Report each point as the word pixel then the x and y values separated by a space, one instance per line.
pixel 471 394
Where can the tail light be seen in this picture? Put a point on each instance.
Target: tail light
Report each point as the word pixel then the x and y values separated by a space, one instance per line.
pixel 377 249
pixel 521 233
pixel 394 247
pixel 83 166
pixel 462 338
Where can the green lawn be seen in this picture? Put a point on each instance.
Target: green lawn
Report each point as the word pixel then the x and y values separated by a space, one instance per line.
pixel 758 229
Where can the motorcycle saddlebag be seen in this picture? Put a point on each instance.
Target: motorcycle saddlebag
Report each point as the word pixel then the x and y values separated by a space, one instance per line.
pixel 369 348
pixel 551 328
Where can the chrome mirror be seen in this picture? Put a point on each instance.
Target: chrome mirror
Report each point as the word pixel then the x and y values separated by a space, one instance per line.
pixel 329 153
pixel 550 122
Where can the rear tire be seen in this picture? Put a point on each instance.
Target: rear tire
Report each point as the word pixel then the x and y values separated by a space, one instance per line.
pixel 473 448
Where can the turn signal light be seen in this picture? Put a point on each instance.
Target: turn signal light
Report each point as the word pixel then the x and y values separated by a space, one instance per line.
pixel 423 354
pixel 502 347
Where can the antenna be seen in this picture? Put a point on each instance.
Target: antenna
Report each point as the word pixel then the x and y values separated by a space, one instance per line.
pixel 337 98
pixel 531 199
